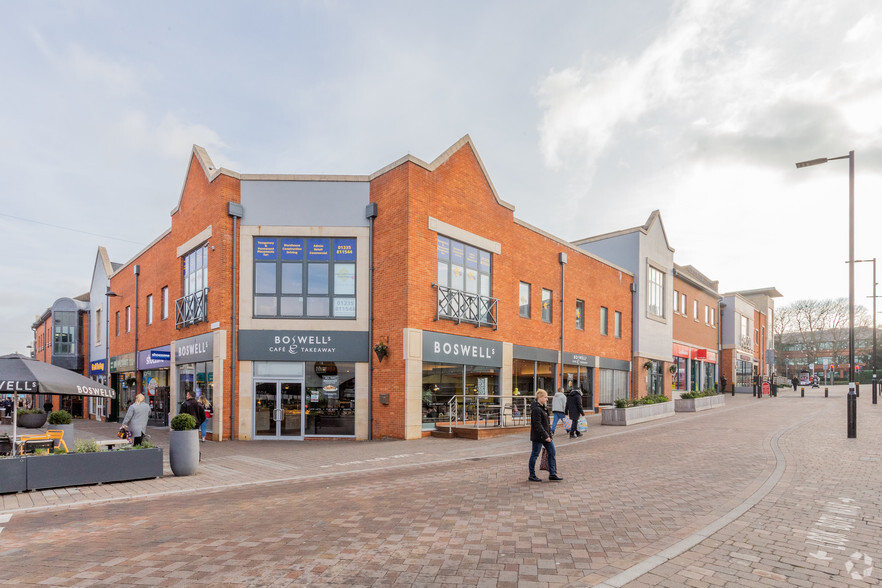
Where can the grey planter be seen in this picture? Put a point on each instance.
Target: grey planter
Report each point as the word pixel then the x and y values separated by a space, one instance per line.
pixel 32 421
pixel 697 404
pixel 636 414
pixel 13 474
pixel 183 452
pixel 77 469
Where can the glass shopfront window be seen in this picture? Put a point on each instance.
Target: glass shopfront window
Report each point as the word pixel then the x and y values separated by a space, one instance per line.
pixel 581 377
pixel 743 374
pixel 442 383
pixel 197 378
pixel 679 380
pixel 529 376
pixel 330 398
pixel 710 375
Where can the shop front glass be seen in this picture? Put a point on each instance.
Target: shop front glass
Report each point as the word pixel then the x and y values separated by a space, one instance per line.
pixel 679 380
pixel 529 376
pixel 197 378
pixel 454 388
pixel 581 377
pixel 743 374
pixel 330 398
pixel 124 384
pixel 154 385
pixel 710 375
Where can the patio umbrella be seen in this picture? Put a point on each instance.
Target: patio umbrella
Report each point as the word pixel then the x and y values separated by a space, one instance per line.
pixel 20 374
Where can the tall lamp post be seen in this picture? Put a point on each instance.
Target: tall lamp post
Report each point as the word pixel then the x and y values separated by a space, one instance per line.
pixel 107 296
pixel 850 158
pixel 874 323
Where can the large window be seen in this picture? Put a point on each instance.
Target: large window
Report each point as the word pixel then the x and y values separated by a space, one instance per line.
pixel 453 388
pixel 298 277
pixel 64 325
pixel 655 295
pixel 196 271
pixel 524 300
pixel 529 376
pixel 463 267
pixel 330 398
pixel 580 315
pixel 547 306
pixel 604 320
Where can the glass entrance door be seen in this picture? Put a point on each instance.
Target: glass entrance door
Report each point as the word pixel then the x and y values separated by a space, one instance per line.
pixel 278 409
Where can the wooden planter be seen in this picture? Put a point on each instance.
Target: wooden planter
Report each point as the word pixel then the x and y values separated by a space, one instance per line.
pixel 13 474
pixel 636 414
pixel 697 404
pixel 76 469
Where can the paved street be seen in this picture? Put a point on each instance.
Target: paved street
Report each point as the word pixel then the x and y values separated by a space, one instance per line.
pixel 764 492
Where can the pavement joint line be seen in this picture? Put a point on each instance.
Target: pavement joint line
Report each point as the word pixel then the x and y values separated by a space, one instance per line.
pixel 653 561
pixel 385 467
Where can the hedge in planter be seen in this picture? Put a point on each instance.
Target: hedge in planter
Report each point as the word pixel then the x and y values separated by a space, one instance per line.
pixel 698 401
pixel 644 409
pixel 31 418
pixel 62 421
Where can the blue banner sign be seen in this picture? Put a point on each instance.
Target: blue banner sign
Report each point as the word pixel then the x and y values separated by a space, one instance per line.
pixel 318 249
pixel 264 248
pixel 292 249
pixel 344 249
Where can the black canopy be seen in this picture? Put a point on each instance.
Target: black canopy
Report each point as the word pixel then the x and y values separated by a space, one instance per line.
pixel 22 375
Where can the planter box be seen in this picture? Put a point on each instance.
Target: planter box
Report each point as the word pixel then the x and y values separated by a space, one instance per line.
pixel 76 469
pixel 696 404
pixel 636 414
pixel 13 474
pixel 32 421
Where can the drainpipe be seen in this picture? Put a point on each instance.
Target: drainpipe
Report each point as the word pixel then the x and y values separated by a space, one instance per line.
pixel 562 259
pixel 137 379
pixel 235 210
pixel 631 380
pixel 370 212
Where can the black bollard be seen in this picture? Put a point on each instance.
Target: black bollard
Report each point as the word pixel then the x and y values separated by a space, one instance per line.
pixel 874 388
pixel 826 392
pixel 857 389
pixel 852 414
pixel 802 392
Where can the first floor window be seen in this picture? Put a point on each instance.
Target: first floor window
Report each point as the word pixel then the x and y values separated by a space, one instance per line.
pixel 150 309
pixel 655 295
pixel 128 319
pixel 165 303
pixel 524 300
pixel 580 315
pixel 296 277
pixel 117 323
pixel 604 320
pixel 546 306
pixel 618 325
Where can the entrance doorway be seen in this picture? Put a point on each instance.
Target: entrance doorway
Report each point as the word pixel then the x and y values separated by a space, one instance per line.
pixel 278 409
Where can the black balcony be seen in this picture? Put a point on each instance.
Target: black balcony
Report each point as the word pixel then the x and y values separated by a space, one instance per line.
pixel 192 309
pixel 463 307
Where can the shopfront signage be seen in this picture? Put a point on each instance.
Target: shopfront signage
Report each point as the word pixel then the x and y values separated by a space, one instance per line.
pixel 122 363
pixel 706 355
pixel 578 359
pixel 98 367
pixel 304 345
pixel 461 350
pixel 681 350
pixel 153 359
pixel 193 349
pixel 743 357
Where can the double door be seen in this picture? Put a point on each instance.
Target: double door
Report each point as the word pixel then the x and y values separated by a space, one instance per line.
pixel 278 409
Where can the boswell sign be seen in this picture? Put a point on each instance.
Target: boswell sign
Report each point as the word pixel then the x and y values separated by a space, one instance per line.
pixel 304 346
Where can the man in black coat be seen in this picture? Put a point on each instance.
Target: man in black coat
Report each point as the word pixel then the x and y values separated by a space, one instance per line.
pixel 574 411
pixel 191 407
pixel 540 435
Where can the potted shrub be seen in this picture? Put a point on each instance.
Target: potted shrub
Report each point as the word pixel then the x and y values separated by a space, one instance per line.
pixel 63 421
pixel 641 410
pixel 31 418
pixel 696 401
pixel 183 445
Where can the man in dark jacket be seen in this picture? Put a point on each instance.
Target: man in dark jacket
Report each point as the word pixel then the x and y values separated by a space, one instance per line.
pixel 190 406
pixel 574 411
pixel 540 435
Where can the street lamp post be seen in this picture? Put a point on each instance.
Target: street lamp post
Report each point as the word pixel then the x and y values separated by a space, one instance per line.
pixel 107 296
pixel 850 158
pixel 874 321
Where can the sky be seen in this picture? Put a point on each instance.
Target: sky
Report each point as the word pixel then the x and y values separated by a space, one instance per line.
pixel 587 115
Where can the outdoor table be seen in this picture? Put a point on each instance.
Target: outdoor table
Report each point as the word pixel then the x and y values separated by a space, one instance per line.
pixel 111 444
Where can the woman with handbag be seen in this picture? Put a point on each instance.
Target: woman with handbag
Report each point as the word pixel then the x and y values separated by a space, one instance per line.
pixel 574 411
pixel 540 435
pixel 136 419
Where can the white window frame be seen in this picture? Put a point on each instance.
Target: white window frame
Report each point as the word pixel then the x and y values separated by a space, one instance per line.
pixel 655 291
pixel 164 303
pixel 150 309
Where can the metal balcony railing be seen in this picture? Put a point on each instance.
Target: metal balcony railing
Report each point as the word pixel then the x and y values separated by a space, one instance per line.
pixel 192 309
pixel 464 307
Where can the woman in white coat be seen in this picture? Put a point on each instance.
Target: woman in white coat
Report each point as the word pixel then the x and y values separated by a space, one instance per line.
pixel 136 419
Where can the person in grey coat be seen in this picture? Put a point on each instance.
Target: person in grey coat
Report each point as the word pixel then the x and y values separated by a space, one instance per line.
pixel 136 419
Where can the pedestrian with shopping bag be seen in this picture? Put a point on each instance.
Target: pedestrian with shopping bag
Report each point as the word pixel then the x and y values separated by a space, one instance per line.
pixel 574 411
pixel 540 436
pixel 558 408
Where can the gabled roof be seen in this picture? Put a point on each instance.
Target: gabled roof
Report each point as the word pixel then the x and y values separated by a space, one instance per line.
pixel 108 266
pixel 771 292
pixel 441 159
pixel 654 216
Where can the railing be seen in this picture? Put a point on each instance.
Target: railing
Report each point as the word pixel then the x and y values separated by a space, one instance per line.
pixel 472 409
pixel 191 309
pixel 464 307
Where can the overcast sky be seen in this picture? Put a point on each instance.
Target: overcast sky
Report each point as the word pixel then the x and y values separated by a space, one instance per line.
pixel 588 116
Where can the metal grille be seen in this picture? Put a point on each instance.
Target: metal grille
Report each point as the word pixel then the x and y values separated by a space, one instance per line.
pixel 464 307
pixel 191 309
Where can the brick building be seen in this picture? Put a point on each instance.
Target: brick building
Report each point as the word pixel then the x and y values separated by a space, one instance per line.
pixel 696 343
pixel 360 306
pixel 746 318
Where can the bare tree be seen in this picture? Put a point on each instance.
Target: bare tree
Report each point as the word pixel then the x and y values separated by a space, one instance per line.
pixel 821 327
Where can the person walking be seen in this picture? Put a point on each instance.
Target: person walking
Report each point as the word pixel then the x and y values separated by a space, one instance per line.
pixel 136 419
pixel 723 383
pixel 795 382
pixel 558 408
pixel 47 406
pixel 207 408
pixel 540 436
pixel 194 408
pixel 574 411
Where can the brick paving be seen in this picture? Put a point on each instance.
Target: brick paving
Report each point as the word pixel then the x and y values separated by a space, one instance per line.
pixel 739 496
